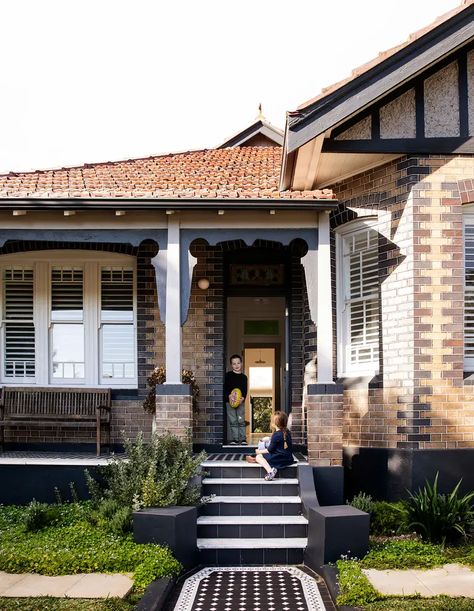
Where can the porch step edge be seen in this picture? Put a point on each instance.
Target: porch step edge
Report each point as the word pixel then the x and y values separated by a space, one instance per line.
pixel 274 500
pixel 248 480
pixel 280 543
pixel 246 520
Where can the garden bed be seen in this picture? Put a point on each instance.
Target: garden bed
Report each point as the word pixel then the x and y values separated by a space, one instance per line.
pixel 71 543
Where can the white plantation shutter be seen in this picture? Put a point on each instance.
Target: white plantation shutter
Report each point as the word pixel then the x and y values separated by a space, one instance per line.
pixel 68 319
pixel 469 294
pixel 67 328
pixel 19 330
pixel 361 300
pixel 117 324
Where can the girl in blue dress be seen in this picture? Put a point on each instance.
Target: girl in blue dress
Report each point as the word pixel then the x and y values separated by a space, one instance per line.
pixel 279 453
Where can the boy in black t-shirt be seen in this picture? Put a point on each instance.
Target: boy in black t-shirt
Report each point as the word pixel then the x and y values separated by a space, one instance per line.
pixel 236 415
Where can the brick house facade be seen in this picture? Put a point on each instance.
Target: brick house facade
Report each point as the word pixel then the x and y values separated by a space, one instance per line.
pixel 364 208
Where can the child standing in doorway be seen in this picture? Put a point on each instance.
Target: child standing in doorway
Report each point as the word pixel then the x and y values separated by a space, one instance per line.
pixel 279 453
pixel 235 379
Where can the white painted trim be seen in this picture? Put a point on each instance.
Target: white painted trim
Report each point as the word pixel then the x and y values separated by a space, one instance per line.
pixel 91 262
pixel 324 301
pixel 173 303
pixel 344 369
pixel 468 219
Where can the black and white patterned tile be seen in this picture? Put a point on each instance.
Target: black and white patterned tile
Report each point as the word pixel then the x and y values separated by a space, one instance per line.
pixel 250 589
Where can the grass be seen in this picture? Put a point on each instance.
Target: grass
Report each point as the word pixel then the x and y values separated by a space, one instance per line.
pixel 440 603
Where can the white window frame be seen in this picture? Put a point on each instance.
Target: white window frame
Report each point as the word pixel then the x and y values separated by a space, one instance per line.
pixel 468 219
pixel 91 261
pixel 344 367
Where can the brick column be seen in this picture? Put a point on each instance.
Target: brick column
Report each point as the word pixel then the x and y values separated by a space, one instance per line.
pixel 174 410
pixel 325 418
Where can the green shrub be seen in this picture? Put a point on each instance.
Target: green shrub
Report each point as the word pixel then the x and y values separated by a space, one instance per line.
pixel 363 502
pixel 388 518
pixel 440 517
pixel 355 588
pixel 112 517
pixel 154 474
pixel 404 553
pixel 39 515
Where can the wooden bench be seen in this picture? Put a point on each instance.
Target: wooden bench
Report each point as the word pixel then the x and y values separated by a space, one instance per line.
pixel 62 407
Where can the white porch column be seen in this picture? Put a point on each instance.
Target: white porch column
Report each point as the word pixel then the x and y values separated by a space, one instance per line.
pixel 173 303
pixel 324 325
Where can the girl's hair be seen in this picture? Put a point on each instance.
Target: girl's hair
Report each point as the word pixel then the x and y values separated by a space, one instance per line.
pixel 280 422
pixel 280 419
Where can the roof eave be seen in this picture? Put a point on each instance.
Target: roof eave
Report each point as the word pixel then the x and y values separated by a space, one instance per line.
pixel 327 112
pixel 167 204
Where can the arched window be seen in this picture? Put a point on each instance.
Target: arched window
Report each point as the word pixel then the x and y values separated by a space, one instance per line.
pixel 358 299
pixel 68 318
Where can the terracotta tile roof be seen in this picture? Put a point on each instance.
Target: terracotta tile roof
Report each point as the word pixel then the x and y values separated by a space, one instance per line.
pixel 247 172
pixel 383 55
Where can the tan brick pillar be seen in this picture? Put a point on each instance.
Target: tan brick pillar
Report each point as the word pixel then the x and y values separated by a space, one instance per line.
pixel 325 418
pixel 174 410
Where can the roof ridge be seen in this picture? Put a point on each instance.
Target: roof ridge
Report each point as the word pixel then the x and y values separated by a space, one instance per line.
pixel 102 163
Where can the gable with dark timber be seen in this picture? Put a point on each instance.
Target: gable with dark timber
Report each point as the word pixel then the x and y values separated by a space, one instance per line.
pixel 432 113
pixel 357 94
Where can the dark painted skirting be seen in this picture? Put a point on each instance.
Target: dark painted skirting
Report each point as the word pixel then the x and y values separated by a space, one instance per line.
pixel 389 473
pixel 156 594
pixel 19 484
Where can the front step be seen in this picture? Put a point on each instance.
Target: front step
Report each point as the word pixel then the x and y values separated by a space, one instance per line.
pixel 254 553
pixel 252 506
pixel 259 527
pixel 248 520
pixel 233 486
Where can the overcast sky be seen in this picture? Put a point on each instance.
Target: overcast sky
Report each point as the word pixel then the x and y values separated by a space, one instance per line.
pixel 100 80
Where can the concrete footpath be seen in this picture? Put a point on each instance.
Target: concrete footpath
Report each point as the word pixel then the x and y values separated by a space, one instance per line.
pixel 450 579
pixel 93 585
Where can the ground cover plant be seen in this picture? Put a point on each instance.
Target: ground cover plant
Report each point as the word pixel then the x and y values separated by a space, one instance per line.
pixel 65 604
pixel 426 531
pixel 70 543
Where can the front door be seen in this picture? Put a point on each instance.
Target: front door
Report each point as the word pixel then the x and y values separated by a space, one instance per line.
pixel 256 331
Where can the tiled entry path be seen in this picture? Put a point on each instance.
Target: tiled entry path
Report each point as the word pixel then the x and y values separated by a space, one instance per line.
pixel 251 589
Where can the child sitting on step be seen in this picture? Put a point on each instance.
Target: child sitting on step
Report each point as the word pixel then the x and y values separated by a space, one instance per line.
pixel 279 453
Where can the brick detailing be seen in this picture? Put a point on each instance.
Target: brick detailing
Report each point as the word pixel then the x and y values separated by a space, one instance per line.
pixel 300 351
pixel 126 416
pixel 129 418
pixel 425 402
pixel 174 414
pixel 325 429
pixel 466 190
pixel 203 342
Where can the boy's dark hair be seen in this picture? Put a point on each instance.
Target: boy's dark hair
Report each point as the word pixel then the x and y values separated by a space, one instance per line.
pixel 235 356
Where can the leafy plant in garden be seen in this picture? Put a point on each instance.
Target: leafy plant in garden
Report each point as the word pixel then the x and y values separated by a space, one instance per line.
pixel 158 376
pixel 388 518
pixel 363 502
pixel 440 517
pixel 157 473
pixel 354 586
pixel 406 553
pixel 39 515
